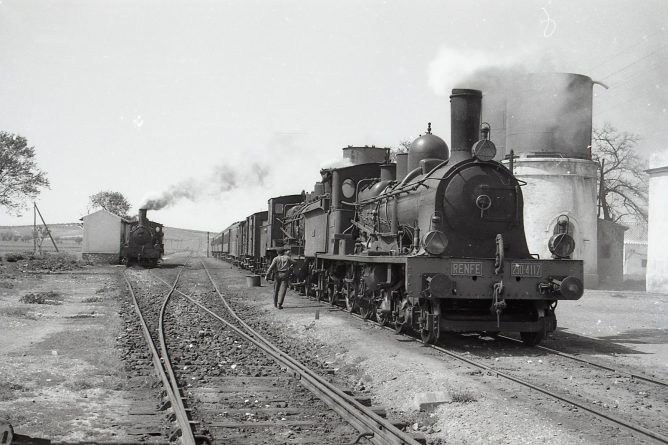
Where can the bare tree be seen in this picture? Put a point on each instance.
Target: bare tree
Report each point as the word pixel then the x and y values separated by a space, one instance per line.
pixel 403 147
pixel 113 202
pixel 622 182
pixel 20 179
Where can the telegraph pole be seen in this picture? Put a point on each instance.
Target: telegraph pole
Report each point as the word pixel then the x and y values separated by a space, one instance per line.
pixel 34 228
pixel 46 226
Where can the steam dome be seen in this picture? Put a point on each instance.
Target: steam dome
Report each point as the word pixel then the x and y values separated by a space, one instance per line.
pixel 427 146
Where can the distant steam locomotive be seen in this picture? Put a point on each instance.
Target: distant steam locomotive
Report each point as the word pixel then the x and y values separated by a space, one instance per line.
pixel 142 241
pixel 437 247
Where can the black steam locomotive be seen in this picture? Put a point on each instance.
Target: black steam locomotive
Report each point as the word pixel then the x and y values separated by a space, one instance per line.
pixel 439 247
pixel 142 241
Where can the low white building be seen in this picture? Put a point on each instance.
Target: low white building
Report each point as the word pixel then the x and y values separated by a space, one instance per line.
pixel 657 241
pixel 635 251
pixel 102 236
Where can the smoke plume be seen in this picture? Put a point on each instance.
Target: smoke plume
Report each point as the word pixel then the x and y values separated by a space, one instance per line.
pixel 222 178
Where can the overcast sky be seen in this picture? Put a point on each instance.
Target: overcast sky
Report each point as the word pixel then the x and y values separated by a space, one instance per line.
pixel 243 100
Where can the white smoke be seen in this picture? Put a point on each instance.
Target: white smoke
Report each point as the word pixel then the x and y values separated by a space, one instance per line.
pixel 336 163
pixel 222 178
pixel 452 68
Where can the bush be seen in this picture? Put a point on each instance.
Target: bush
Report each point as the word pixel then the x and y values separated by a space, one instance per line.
pixel 14 257
pixel 92 300
pixel 51 297
pixel 463 396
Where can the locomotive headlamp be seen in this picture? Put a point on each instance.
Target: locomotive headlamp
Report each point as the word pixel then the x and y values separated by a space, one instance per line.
pixel 435 242
pixel 571 287
pixel 561 245
pixel 157 229
pixel 484 149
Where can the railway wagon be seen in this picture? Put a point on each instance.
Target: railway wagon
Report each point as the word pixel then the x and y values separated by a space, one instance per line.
pixel 236 241
pixel 253 259
pixel 217 245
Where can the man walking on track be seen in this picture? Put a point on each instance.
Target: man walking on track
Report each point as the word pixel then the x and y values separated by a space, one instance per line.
pixel 283 266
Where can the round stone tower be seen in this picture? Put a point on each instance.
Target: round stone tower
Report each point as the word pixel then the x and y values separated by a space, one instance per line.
pixel 547 125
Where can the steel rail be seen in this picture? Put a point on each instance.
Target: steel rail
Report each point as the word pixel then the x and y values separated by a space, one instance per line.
pixel 599 413
pixel 349 408
pixel 631 375
pixel 357 415
pixel 171 388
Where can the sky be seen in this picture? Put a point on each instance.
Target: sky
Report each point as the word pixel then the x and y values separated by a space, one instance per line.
pixel 223 104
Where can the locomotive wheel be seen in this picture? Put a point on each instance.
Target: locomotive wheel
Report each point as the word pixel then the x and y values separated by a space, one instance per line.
pixel 366 311
pixel 401 318
pixel 365 302
pixel 532 338
pixel 382 317
pixel 351 298
pixel 331 293
pixel 428 334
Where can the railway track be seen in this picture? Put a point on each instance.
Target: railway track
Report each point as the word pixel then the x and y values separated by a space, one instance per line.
pixel 633 426
pixel 268 393
pixel 163 366
pixel 631 375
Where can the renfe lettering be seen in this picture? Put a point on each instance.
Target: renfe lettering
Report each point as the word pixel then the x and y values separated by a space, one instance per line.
pixel 466 268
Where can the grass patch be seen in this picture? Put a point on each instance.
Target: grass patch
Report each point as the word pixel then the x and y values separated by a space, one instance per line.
pixel 106 288
pixel 91 314
pixel 6 285
pixel 18 312
pixel 463 396
pixel 9 391
pixel 92 300
pixel 50 297
pixel 80 385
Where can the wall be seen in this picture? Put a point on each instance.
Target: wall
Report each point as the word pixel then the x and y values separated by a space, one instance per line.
pixel 635 251
pixel 610 253
pixel 657 241
pixel 102 233
pixel 557 186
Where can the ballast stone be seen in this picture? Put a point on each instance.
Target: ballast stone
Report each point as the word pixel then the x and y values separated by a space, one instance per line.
pixel 429 401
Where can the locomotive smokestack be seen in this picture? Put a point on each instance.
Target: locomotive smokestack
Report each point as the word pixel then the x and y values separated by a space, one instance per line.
pixel 143 220
pixel 465 106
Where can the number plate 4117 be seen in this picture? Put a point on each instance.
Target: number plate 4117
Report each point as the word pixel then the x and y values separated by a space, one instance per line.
pixel 526 269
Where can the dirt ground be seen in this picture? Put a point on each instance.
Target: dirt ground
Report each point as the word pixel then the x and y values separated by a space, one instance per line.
pixel 61 378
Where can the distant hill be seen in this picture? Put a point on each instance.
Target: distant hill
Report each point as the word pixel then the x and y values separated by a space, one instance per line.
pixel 68 237
pixel 177 240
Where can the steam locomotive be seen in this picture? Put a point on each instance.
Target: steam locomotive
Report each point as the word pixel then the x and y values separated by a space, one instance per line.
pixel 142 241
pixel 439 247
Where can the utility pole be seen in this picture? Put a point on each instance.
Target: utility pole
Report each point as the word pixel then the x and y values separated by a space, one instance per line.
pixel 34 228
pixel 46 226
pixel 207 244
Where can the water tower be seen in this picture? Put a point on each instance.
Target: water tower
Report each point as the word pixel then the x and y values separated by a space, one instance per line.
pixel 547 124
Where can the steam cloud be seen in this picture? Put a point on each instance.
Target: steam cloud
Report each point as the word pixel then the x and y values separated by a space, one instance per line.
pixel 223 178
pixel 555 109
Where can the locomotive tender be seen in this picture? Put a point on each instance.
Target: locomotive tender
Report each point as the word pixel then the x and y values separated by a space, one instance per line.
pixel 439 248
pixel 142 241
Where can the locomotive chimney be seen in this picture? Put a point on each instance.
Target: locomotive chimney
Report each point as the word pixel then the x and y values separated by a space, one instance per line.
pixel 465 106
pixel 143 220
pixel 388 172
pixel 402 165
